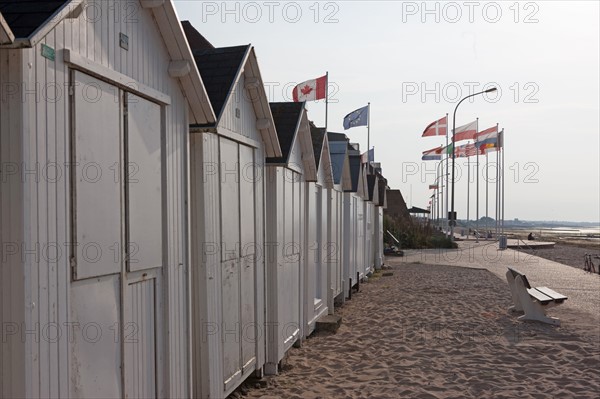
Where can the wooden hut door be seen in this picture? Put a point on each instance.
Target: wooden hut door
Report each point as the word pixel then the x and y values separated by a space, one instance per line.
pixel 117 248
pixel 238 263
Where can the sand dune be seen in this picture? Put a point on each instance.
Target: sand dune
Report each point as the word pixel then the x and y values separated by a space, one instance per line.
pixel 441 332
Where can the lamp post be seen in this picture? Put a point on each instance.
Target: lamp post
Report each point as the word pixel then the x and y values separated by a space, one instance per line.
pixel 452 212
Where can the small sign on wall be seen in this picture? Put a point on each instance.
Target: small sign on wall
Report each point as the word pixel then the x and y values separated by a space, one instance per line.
pixel 48 52
pixel 124 41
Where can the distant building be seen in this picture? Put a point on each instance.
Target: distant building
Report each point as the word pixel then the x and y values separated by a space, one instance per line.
pixel 396 207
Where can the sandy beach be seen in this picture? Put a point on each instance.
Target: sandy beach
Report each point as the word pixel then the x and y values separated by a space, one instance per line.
pixel 434 331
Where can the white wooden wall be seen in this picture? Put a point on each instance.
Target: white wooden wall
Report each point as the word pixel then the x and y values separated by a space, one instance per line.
pixel 369 239
pixel 378 237
pixel 285 270
pixel 349 241
pixel 228 251
pixel 45 209
pixel 335 247
pixel 315 255
pixel 12 289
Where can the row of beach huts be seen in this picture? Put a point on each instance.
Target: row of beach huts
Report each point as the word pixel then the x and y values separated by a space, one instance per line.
pixel 166 231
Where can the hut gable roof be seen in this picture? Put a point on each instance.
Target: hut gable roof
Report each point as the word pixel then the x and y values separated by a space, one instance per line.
pixel 219 68
pixel 287 117
pixel 195 38
pixel 24 23
pixel 22 18
pixel 317 135
pixel 340 162
pixel 373 188
pixel 293 129
pixel 322 155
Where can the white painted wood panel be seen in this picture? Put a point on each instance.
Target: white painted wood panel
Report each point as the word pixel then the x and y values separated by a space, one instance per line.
pixel 229 340
pixel 143 174
pixel 96 341
pixel 12 279
pixel 139 339
pixel 97 156
pixel 248 328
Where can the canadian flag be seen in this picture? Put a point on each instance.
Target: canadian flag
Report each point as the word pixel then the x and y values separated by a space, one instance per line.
pixel 311 90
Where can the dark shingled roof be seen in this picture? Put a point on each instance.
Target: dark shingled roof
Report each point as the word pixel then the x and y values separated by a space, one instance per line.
pixel 371 180
pixel 318 135
pixel 337 152
pixel 195 38
pixel 331 136
pixel 382 190
pixel 25 16
pixel 354 171
pixel 286 117
pixel 218 68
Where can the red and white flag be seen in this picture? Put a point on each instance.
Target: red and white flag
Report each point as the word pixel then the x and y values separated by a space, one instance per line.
pixel 466 132
pixel 487 134
pixel 437 128
pixel 311 90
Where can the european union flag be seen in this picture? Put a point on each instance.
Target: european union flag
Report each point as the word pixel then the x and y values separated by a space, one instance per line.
pixel 360 117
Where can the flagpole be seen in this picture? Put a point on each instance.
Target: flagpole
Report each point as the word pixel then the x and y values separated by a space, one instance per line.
pixel 497 189
pixel 445 211
pixel 503 140
pixel 326 99
pixel 368 130
pixel 437 202
pixel 497 176
pixel 468 193
pixel 487 183
pixel 477 182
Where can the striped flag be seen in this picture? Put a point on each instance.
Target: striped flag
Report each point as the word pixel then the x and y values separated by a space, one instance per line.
pixel 434 154
pixel 488 136
pixel 466 132
pixel 437 128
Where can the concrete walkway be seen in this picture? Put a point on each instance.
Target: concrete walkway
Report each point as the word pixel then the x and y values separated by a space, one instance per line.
pixel 582 288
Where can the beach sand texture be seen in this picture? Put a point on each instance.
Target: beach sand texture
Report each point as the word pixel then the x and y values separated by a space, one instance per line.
pixel 436 331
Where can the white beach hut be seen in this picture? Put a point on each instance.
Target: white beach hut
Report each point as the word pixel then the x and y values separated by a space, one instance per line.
pixel 371 204
pixel 353 215
pixel 340 166
pixel 96 101
pixel 286 178
pixel 315 250
pixel 228 219
pixel 380 206
pixel 355 219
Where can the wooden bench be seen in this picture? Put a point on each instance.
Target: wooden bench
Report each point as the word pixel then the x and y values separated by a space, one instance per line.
pixel 533 302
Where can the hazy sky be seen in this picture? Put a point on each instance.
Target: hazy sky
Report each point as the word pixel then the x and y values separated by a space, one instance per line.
pixel 414 60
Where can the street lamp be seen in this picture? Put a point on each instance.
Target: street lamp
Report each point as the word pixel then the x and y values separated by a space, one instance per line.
pixel 452 216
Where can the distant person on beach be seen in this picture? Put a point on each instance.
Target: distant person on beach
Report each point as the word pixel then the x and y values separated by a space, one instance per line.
pixel 530 237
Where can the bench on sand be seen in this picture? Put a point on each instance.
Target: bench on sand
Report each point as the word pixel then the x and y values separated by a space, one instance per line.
pixel 532 301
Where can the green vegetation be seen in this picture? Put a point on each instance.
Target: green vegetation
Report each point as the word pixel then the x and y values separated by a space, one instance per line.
pixel 415 235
